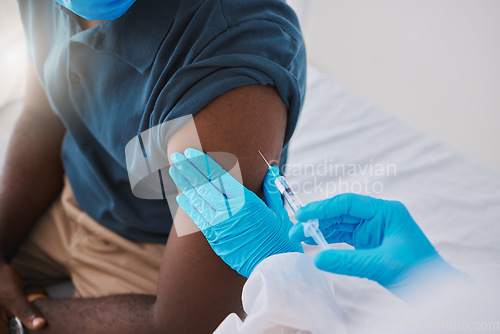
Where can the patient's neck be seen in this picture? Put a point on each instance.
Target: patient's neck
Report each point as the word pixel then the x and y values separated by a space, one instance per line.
pixel 87 24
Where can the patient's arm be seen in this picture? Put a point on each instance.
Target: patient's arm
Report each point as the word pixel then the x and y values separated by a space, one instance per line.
pixel 196 289
pixel 241 122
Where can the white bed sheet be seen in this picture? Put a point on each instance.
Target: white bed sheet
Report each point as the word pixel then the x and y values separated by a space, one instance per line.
pixel 455 200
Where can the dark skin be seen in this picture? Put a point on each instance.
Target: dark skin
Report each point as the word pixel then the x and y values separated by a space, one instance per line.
pixel 31 179
pixel 196 289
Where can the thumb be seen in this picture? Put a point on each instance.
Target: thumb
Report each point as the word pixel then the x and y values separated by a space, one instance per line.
pixel 360 263
pixel 271 192
pixel 27 313
pixel 296 234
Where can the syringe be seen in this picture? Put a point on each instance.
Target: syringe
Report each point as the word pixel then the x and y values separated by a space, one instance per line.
pixel 311 227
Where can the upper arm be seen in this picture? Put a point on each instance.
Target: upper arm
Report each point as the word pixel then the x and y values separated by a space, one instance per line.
pixel 36 101
pixel 39 131
pixel 194 282
pixel 242 122
pixel 38 112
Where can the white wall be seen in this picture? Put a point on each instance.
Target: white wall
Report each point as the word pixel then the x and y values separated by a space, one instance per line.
pixel 432 63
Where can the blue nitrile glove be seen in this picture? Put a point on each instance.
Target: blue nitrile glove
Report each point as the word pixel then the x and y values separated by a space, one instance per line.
pixel 390 247
pixel 239 226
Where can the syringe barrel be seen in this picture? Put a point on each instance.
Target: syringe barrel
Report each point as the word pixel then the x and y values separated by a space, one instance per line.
pixel 290 197
pixel 311 227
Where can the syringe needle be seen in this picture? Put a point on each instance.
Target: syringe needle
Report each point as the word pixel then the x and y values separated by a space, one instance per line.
pixel 264 159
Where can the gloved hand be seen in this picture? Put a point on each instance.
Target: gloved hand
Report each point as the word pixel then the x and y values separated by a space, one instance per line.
pixel 239 226
pixel 390 248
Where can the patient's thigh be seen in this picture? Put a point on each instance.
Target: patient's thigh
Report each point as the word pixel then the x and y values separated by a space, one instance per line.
pixel 42 258
pixel 68 243
pixel 104 263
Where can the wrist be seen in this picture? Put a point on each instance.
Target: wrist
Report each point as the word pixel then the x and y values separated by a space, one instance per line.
pixel 427 277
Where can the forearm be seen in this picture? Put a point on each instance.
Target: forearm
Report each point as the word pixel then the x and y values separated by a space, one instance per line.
pixel 31 179
pixel 32 175
pixel 114 314
pixel 196 291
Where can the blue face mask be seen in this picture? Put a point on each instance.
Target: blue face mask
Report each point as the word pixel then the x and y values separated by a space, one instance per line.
pixel 96 10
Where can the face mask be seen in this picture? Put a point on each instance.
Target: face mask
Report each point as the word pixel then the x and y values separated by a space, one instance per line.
pixel 96 10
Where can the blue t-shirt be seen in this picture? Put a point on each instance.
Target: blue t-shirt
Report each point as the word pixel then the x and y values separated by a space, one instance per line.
pixel 159 61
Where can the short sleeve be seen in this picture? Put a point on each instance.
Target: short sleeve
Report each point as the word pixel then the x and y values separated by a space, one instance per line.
pixel 256 51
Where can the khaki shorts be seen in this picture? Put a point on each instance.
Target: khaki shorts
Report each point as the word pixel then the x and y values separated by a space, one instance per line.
pixel 67 243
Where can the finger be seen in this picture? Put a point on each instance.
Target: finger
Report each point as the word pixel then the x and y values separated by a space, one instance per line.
pixel 346 219
pixel 336 231
pixel 211 190
pixel 28 314
pixel 345 237
pixel 192 212
pixel 180 181
pixel 200 197
pixel 186 188
pixel 346 227
pixel 334 236
pixel 271 192
pixel 296 233
pixel 213 172
pixel 370 234
pixel 208 200
pixel 342 223
pixel 195 177
pixel 360 263
pixel 344 204
pixel 204 163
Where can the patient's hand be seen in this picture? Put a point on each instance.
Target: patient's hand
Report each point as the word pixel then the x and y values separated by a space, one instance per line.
pixel 239 226
pixel 14 301
pixel 391 249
